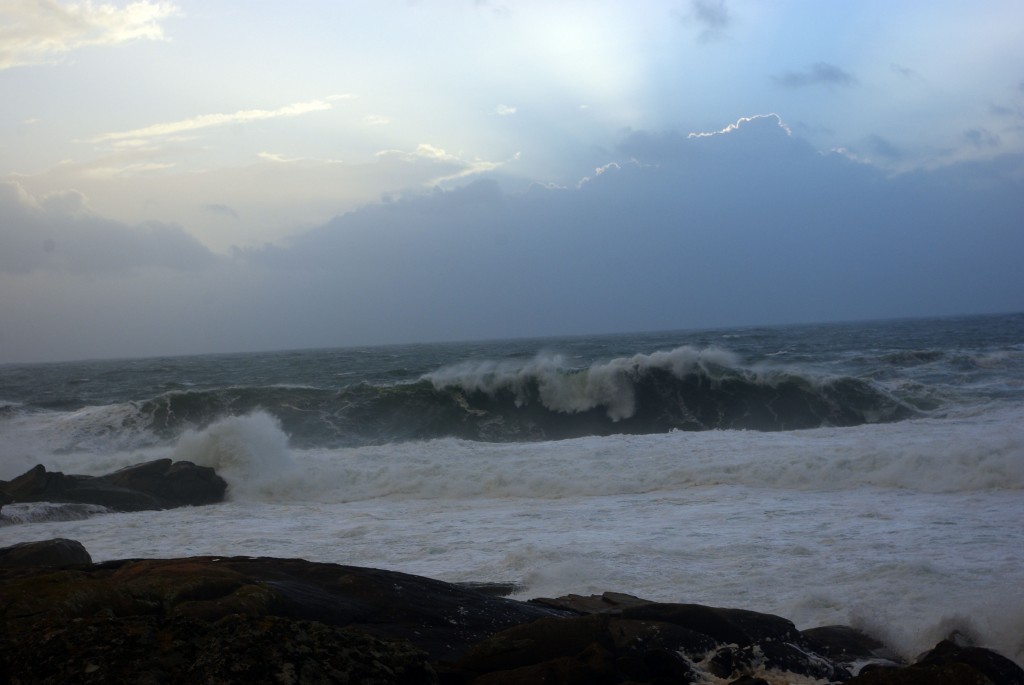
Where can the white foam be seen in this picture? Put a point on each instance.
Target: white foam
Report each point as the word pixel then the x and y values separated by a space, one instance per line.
pixel 907 530
pixel 928 455
pixel 50 438
pixel 604 384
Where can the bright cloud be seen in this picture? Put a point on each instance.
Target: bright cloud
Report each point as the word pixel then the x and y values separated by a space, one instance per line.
pixel 212 120
pixel 42 31
pixel 739 122
pixel 459 167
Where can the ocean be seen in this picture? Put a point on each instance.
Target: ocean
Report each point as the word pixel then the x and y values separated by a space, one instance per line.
pixel 870 474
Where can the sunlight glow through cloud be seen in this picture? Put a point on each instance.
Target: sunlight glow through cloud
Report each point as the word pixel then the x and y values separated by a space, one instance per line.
pixel 739 122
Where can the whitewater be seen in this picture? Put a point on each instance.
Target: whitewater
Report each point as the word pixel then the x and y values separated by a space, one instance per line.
pixel 869 474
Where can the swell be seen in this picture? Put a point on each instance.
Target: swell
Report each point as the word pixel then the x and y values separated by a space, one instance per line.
pixel 684 389
pixel 540 399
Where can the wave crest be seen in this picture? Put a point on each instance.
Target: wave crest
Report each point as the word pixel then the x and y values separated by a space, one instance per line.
pixel 681 389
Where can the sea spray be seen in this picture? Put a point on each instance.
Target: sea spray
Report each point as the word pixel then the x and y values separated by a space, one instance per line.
pixel 251 452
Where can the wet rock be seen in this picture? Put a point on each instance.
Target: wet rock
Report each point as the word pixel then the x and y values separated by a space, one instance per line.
pixel 179 483
pixel 774 657
pixel 442 619
pixel 853 649
pixel 594 648
pixel 606 603
pixel 726 626
pixel 949 663
pixel 56 552
pixel 236 649
pixel 157 484
pixel 264 620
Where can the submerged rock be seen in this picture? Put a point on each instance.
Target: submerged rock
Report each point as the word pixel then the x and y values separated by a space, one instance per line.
pixel 157 484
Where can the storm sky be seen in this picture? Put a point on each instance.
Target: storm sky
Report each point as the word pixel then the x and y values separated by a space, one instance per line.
pixel 188 177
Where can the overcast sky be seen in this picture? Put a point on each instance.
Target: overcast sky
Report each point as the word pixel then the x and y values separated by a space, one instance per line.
pixel 184 177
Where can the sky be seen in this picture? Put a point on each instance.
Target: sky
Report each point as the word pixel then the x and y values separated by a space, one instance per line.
pixel 188 177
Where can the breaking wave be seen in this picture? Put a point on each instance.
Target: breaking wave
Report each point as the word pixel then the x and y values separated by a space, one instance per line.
pixel 543 398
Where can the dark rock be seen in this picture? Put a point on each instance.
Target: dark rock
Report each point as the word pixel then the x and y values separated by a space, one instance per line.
pixel 771 655
pixel 236 649
pixel 494 589
pixel 852 648
pixel 56 552
pixel 439 618
pixel 594 648
pixel 158 484
pixel 846 643
pixel 179 483
pixel 727 626
pixel 542 640
pixel 607 603
pixel 749 680
pixel 39 485
pixel 113 497
pixel 995 667
pixel 262 620
pixel 949 663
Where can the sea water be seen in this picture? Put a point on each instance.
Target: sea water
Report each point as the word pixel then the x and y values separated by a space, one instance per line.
pixel 870 474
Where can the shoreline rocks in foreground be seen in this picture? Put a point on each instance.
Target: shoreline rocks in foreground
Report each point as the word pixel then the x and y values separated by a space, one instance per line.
pixel 267 620
pixel 157 484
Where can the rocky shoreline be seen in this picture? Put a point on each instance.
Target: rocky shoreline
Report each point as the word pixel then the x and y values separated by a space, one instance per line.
pixel 219 620
pixel 156 484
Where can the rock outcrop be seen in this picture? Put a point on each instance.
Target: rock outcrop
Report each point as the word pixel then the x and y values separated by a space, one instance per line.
pixel 55 552
pixel 157 484
pixel 264 620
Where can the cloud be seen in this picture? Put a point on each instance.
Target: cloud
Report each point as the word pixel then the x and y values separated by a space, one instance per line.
pixel 749 225
pixel 59 233
pixel 752 225
pixel 1005 111
pixel 820 73
pixel 451 166
pixel 376 120
pixel 221 209
pixel 504 110
pixel 905 72
pixel 877 145
pixel 712 15
pixel 212 120
pixel 43 31
pixel 740 122
pixel 981 138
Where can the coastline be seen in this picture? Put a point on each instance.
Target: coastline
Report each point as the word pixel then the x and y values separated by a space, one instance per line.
pixel 246 619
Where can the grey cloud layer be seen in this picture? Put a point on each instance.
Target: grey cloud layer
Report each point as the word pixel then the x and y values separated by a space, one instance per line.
pixel 750 225
pixel 713 15
pixel 820 73
pixel 58 233
pixel 747 226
